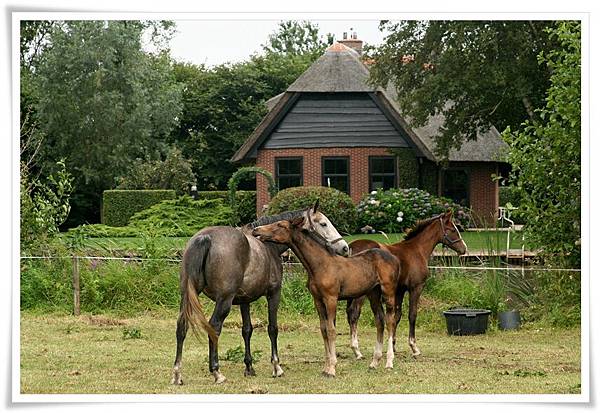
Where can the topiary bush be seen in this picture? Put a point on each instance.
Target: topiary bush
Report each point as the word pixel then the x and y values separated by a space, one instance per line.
pixel 337 205
pixel 396 210
pixel 181 217
pixel 118 205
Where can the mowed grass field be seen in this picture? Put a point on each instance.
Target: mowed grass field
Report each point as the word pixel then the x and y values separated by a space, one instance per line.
pixel 106 354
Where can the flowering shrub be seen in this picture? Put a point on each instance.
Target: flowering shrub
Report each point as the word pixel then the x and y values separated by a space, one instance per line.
pixel 396 210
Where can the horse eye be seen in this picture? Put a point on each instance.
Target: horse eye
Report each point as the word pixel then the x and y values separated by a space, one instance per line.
pixel 323 224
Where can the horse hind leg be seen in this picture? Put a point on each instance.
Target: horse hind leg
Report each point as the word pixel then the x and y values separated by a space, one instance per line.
pixel 353 308
pixel 182 327
pixel 222 308
pixel 375 302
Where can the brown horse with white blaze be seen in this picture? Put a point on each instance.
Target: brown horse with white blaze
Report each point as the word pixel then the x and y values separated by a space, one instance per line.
pixel 373 273
pixel 413 253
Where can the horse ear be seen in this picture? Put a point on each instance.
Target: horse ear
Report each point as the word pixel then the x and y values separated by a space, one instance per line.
pixel 297 222
pixel 315 206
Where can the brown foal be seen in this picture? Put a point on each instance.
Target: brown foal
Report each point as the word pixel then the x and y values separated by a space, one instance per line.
pixel 413 253
pixel 373 273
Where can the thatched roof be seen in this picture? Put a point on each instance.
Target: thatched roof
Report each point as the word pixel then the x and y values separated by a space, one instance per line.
pixel 340 69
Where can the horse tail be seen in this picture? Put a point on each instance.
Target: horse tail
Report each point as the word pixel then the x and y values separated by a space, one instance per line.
pixel 192 283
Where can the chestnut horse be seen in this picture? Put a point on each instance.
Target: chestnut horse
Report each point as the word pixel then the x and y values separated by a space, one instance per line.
pixel 413 253
pixel 232 267
pixel 331 278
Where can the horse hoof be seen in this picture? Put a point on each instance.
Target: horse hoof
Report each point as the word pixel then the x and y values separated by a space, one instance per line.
pixel 359 356
pixel 249 372
pixel 328 375
pixel 416 353
pixel 177 382
pixel 277 371
pixel 389 366
pixel 219 378
pixel 373 365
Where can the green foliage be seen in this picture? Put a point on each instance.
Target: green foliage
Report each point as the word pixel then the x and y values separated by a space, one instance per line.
pixel 396 210
pixel 131 333
pixel 181 217
pixel 119 205
pixel 408 169
pixel 245 209
pixel 335 204
pixel 295 297
pixel 476 73
pixel 245 205
pixel 175 172
pixel 100 100
pixel 44 206
pixel 297 38
pixel 236 354
pixel 546 155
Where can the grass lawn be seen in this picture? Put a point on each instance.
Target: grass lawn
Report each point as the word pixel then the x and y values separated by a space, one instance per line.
pixel 483 240
pixel 91 354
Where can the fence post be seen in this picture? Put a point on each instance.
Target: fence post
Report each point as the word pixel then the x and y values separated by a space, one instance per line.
pixel 76 303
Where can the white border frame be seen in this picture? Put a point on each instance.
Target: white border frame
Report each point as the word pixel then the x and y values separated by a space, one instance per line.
pixel 584 397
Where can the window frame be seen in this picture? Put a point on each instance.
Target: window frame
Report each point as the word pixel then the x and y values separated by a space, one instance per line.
pixel 371 158
pixel 467 172
pixel 347 174
pixel 288 158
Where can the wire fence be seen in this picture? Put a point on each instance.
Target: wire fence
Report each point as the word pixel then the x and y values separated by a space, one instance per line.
pixel 290 268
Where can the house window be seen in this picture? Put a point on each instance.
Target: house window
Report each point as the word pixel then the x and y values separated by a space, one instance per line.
pixel 336 173
pixel 288 172
pixel 455 185
pixel 382 172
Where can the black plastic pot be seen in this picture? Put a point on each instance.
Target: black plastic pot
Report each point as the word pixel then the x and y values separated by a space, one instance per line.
pixel 509 320
pixel 466 321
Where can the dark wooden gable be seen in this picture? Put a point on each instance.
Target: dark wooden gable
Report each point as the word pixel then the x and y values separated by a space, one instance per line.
pixel 319 120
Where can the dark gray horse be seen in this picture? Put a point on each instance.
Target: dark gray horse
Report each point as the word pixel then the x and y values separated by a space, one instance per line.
pixel 232 267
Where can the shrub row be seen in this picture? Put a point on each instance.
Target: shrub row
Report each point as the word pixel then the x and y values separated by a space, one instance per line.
pixel 119 205
pixel 245 203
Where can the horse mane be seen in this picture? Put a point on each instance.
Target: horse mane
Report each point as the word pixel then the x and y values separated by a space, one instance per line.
pixel 319 240
pixel 419 227
pixel 284 216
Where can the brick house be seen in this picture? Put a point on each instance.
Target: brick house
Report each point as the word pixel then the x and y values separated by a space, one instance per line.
pixel 331 128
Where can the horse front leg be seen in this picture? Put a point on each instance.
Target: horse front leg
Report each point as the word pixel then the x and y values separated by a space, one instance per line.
pixel 331 309
pixel 182 328
pixel 390 322
pixel 222 308
pixel 412 319
pixel 321 310
pixel 273 304
pixel 247 334
pixel 353 308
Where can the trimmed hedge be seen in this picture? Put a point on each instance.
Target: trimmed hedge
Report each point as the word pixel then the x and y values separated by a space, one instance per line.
pixel 119 205
pixel 337 205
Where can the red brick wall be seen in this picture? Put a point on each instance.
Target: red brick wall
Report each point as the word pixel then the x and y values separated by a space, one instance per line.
pixel 359 168
pixel 483 192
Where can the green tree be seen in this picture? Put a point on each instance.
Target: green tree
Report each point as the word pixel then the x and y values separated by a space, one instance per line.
pixel 546 154
pixel 174 172
pixel 101 100
pixel 476 73
pixel 222 106
pixel 297 38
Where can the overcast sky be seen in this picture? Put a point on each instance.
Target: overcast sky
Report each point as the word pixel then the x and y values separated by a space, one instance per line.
pixel 213 42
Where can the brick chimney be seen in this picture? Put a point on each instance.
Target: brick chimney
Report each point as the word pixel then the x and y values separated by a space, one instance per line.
pixel 352 42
